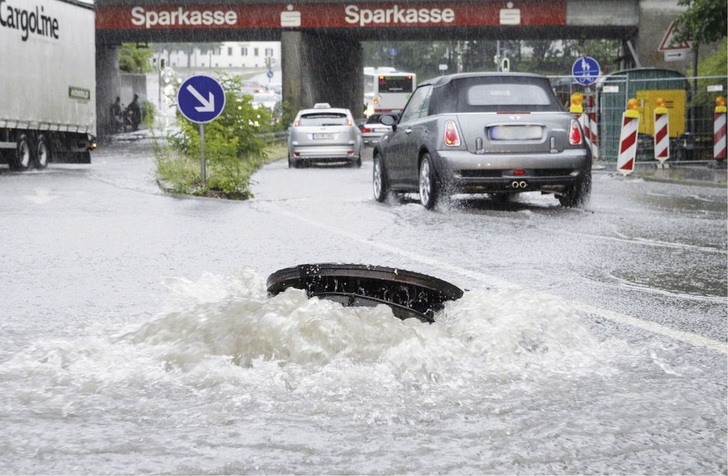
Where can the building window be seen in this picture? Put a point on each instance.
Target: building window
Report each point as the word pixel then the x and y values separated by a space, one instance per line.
pixel 269 51
pixel 255 52
pixel 243 51
pixel 230 50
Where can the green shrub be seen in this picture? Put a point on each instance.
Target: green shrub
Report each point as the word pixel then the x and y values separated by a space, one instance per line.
pixel 149 112
pixel 234 146
pixel 177 173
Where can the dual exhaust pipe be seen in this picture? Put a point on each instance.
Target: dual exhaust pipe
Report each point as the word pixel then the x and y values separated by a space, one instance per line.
pixel 519 184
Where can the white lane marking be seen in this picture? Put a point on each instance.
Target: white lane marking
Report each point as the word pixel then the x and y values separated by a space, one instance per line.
pixel 41 196
pixel 646 242
pixel 686 337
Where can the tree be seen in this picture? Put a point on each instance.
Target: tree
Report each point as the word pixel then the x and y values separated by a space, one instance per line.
pixel 133 59
pixel 703 22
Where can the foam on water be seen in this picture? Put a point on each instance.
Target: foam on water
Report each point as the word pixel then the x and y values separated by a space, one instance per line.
pixel 222 329
pixel 497 334
pixel 226 375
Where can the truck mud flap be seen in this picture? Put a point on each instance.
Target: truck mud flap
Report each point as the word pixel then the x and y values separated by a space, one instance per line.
pixel 407 293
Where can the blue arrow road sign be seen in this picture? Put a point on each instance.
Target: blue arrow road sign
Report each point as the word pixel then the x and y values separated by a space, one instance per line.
pixel 585 70
pixel 201 99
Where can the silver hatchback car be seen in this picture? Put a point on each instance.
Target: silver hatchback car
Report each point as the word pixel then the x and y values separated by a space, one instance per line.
pixel 494 133
pixel 324 135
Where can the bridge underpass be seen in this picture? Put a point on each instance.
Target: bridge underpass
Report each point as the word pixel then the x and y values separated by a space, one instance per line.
pixel 321 52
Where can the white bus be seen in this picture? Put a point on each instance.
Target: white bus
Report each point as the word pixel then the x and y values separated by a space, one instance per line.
pixel 386 90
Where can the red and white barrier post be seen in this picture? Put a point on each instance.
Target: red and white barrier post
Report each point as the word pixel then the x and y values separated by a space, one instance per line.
pixel 593 135
pixel 662 134
pixel 628 138
pixel 719 130
pixel 590 130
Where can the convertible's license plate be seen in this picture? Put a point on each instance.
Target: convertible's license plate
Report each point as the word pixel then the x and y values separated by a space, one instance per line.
pixel 321 136
pixel 524 132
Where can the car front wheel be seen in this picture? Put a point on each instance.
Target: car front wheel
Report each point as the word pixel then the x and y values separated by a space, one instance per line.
pixel 428 186
pixel 379 179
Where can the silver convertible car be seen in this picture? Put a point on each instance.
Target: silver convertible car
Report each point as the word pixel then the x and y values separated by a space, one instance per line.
pixel 324 135
pixel 493 133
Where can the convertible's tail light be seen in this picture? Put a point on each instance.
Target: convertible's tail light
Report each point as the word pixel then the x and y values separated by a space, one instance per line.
pixel 575 133
pixel 452 138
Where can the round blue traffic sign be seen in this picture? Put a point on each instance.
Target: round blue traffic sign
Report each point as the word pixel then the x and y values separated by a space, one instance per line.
pixel 585 70
pixel 201 99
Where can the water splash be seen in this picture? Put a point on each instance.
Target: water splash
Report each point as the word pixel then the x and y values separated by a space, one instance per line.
pixel 492 334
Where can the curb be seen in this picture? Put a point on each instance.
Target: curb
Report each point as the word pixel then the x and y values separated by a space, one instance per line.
pixel 702 174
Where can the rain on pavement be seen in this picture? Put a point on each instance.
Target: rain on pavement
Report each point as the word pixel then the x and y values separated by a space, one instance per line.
pixel 138 335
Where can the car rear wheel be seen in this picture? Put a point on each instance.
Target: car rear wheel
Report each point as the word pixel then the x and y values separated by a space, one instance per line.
pixel 576 195
pixel 293 163
pixel 428 186
pixel 379 179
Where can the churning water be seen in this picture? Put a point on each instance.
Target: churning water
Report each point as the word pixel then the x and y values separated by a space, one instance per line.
pixel 229 380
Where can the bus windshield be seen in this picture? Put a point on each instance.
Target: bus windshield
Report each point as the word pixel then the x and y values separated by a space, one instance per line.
pixel 386 90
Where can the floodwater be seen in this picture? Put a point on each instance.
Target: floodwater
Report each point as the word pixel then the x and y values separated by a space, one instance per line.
pixel 203 372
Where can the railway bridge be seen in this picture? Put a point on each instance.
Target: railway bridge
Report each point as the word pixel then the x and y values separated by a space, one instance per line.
pixel 321 53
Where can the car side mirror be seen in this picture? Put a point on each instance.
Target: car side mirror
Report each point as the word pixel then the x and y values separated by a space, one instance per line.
pixel 388 120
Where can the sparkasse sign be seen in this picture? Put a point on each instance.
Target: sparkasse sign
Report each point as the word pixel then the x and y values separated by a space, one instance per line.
pixel 182 17
pixel 410 14
pixel 356 15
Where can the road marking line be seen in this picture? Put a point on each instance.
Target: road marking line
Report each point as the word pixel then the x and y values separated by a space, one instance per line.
pixel 682 336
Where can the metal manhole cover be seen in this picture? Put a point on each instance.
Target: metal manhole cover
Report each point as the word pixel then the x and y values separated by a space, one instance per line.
pixel 409 294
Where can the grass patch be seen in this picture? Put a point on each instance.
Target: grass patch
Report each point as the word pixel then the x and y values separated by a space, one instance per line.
pixel 179 173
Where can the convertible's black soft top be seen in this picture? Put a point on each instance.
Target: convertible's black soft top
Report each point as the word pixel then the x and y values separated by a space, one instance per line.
pixel 492 92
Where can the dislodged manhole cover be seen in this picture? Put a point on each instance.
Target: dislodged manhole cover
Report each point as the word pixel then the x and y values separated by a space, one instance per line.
pixel 409 294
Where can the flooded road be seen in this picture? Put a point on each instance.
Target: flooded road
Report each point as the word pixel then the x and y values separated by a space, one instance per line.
pixel 138 336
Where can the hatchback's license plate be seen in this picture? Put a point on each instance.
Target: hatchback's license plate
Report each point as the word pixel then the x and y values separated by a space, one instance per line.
pixel 321 136
pixel 521 132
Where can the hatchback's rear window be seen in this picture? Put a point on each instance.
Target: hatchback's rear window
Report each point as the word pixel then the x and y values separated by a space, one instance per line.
pixel 324 119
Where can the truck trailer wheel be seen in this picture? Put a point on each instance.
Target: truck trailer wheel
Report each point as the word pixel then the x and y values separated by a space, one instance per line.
pixel 23 154
pixel 42 152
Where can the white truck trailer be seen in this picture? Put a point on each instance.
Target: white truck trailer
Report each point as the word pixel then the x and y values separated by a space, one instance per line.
pixel 47 82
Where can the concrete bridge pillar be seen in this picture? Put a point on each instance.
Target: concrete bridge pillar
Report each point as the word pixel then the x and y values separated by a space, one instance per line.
pixel 108 86
pixel 322 67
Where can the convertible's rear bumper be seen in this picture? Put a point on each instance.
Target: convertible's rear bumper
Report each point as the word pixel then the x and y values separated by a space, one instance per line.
pixel 465 172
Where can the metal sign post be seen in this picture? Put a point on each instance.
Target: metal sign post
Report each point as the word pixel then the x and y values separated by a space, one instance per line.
pixel 201 99
pixel 203 166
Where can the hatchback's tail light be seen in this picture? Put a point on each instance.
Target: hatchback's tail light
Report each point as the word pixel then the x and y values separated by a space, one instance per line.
pixel 575 137
pixel 296 123
pixel 452 138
